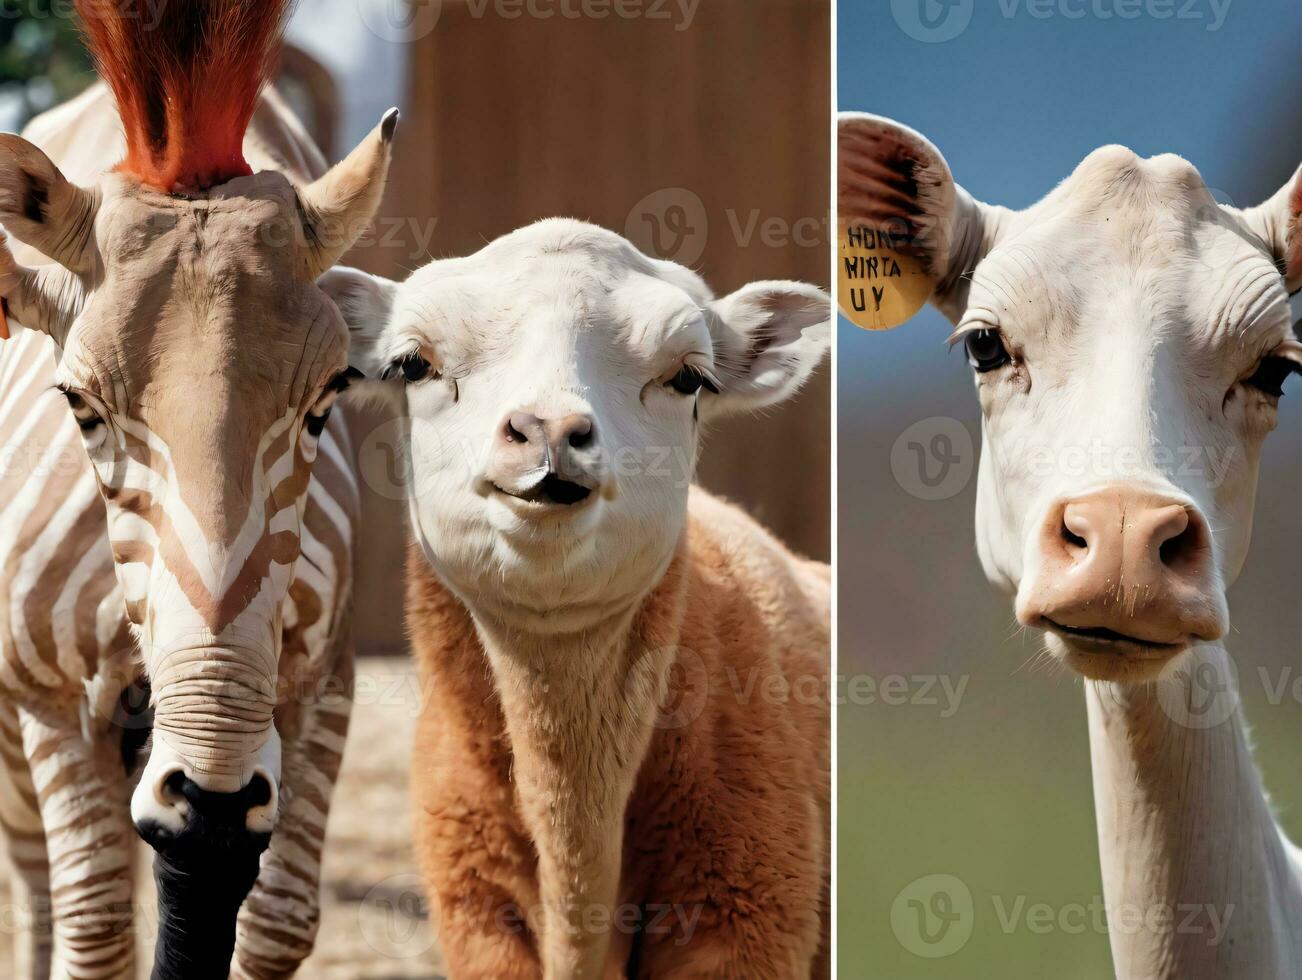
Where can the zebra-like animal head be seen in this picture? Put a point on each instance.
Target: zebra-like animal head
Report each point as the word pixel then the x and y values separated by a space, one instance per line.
pixel 200 359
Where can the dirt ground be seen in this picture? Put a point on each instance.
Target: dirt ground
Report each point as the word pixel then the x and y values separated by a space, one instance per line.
pixel 374 923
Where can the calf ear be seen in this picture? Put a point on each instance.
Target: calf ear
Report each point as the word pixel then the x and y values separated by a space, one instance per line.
pixel 366 304
pixel 894 181
pixel 1277 222
pixel 768 338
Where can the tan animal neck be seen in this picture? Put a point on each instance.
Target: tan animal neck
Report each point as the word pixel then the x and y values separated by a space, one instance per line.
pixel 1197 878
pixel 579 710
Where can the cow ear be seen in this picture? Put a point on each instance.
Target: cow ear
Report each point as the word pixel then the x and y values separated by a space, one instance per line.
pixel 1278 222
pixel 768 338
pixel 366 304
pixel 894 181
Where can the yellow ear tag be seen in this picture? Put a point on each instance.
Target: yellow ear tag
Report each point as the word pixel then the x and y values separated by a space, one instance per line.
pixel 878 286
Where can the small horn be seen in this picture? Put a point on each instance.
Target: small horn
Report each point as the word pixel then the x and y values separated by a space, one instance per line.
pixel 340 204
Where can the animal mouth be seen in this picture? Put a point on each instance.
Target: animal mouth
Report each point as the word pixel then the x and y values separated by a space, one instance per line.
pixel 1101 636
pixel 551 490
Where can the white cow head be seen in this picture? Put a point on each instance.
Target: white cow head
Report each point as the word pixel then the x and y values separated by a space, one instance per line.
pixel 1129 338
pixel 555 383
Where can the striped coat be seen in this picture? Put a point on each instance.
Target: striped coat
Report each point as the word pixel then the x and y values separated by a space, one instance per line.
pixel 70 677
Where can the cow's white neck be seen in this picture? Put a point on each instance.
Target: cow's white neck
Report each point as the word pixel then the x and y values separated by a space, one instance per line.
pixel 1186 832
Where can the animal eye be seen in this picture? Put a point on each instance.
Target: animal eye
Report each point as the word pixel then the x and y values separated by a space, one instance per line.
pixel 87 418
pixel 689 380
pixel 985 350
pixel 1270 375
pixel 412 366
pixel 316 424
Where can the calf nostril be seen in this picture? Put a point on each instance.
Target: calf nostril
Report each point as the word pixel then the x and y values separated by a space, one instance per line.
pixel 512 433
pixel 581 433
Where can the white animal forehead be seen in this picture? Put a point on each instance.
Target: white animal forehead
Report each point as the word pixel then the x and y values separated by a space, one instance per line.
pixel 1120 213
pixel 557 253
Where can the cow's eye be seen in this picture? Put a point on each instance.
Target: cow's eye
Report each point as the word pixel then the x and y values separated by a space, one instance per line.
pixel 411 367
pixel 689 380
pixel 1271 374
pixel 985 350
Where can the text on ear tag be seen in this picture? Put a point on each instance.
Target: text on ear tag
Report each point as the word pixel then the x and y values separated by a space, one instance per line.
pixel 878 285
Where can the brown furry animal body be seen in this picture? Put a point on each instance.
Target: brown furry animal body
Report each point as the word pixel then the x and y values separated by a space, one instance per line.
pixel 726 835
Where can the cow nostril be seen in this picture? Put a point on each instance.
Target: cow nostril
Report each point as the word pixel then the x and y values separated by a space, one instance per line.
pixel 1073 539
pixel 1179 550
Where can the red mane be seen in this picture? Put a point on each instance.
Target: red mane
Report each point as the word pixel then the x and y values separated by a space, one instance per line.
pixel 186 76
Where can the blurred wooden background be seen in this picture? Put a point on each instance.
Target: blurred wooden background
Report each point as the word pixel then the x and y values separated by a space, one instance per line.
pixel 703 140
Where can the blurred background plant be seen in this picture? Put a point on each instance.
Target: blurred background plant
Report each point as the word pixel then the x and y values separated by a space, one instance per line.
pixel 42 60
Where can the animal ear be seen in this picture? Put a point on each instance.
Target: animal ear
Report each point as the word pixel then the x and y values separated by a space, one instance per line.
pixel 768 338
pixel 1276 221
pixel 340 204
pixel 48 299
pixel 894 181
pixel 41 208
pixel 366 303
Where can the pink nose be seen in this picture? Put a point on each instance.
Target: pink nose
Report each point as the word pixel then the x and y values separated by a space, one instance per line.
pixel 1125 562
pixel 553 435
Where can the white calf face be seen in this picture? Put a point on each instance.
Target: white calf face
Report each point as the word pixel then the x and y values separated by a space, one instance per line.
pixel 1129 339
pixel 555 383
